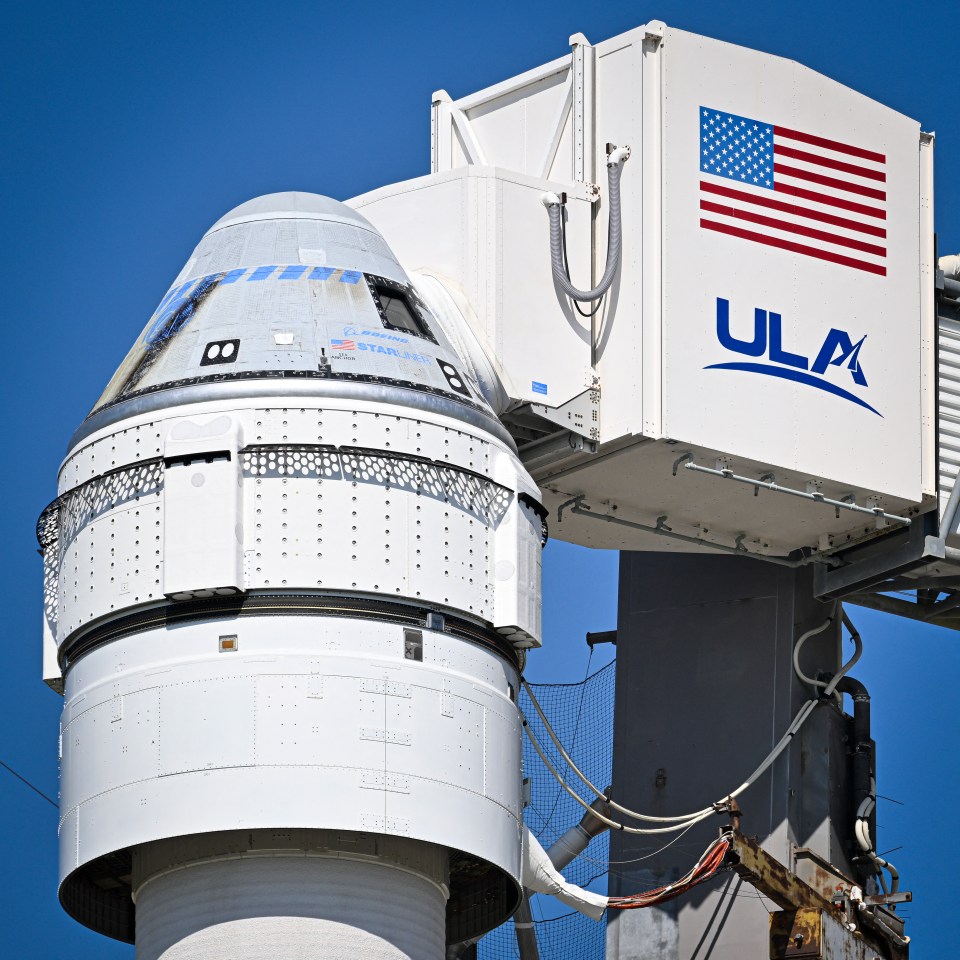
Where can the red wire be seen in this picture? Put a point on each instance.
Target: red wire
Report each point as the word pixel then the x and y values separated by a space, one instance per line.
pixel 706 867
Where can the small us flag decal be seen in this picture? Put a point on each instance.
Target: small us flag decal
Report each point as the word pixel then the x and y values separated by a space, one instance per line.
pixel 342 345
pixel 793 190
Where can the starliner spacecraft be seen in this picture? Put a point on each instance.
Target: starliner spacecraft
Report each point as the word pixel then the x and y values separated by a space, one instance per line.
pixel 299 565
pixel 293 571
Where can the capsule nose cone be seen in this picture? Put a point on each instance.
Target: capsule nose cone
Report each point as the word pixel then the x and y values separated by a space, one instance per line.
pixel 292 205
pixel 291 287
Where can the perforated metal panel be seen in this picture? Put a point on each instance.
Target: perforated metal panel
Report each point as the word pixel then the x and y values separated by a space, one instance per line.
pixel 331 498
pixel 948 407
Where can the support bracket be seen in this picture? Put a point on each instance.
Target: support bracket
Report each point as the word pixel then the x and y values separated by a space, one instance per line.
pixel 809 925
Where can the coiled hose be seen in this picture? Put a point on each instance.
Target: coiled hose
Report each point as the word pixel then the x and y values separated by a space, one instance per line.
pixel 614 233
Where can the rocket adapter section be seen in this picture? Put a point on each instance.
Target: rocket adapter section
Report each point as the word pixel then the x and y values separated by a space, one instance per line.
pixel 289 579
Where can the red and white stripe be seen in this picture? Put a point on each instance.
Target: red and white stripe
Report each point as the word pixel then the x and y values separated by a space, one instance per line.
pixel 829 201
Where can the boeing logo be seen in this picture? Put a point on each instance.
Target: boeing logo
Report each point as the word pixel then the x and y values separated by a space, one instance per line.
pixel 837 350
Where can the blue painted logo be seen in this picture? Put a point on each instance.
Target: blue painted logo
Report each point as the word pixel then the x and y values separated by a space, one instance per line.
pixel 378 334
pixel 837 350
pixel 538 387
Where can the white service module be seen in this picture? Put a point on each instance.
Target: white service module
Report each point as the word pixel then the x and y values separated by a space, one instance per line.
pixel 772 317
pixel 289 579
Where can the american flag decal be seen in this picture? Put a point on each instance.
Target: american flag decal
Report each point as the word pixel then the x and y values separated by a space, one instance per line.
pixel 793 190
pixel 343 345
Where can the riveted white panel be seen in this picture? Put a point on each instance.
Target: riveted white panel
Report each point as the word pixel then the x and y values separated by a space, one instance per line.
pixel 209 741
pixel 366 520
pixel 69 833
pixel 207 724
pixel 288 722
pixel 118 751
pixel 203 533
pixel 120 448
pixel 111 555
pixel 422 530
pixel 330 459
pixel 517 575
pixel 502 766
pixel 467 743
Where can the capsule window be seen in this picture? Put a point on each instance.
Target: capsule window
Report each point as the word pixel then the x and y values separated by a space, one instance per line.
pixel 398 308
pixel 228 643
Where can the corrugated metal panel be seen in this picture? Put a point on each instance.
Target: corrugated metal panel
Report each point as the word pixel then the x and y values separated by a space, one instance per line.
pixel 949 406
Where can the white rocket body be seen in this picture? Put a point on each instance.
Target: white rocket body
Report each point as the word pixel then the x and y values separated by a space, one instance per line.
pixel 290 570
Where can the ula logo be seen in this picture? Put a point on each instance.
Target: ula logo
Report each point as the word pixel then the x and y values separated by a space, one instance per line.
pixel 837 350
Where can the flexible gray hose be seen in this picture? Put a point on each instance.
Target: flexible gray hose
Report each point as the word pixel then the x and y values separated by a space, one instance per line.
pixel 614 236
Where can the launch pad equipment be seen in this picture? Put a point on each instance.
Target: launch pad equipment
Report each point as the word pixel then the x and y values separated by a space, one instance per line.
pixel 664 294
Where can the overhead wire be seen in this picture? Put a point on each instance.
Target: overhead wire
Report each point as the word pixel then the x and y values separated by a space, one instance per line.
pixel 583 803
pixel 27 783
pixel 682 822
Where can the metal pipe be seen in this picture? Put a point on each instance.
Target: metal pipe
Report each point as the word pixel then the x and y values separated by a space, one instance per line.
pixel 889 931
pixel 864 763
pixel 576 506
pixel 938 609
pixel 904 608
pixel 950 512
pixel 525 931
pixel 950 265
pixel 568 847
pixel 803 494
pixel 554 447
pixel 951 287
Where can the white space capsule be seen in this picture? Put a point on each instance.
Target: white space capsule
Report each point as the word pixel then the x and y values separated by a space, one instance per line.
pixel 288 579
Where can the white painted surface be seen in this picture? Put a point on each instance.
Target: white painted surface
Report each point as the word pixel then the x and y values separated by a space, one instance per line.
pixel 312 722
pixel 949 413
pixel 311 908
pixel 378 479
pixel 655 338
pixel 202 508
pixel 764 418
pixel 314 519
pixel 481 229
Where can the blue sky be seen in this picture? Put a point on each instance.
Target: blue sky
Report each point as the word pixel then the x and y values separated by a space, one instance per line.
pixel 129 129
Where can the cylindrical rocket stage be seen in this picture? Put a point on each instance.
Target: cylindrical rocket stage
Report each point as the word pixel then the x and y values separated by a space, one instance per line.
pixel 323 904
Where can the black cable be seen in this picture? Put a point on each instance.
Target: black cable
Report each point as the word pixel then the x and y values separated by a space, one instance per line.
pixel 24 780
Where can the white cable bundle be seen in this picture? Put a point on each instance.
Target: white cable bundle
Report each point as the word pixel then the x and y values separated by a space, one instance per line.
pixel 686 821
pixel 540 875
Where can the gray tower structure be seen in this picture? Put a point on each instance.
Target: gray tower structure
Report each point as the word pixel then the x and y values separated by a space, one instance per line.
pixel 705 689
